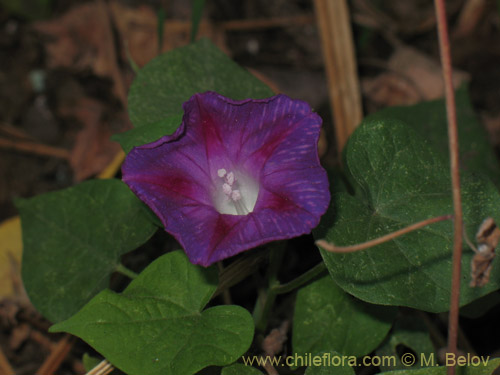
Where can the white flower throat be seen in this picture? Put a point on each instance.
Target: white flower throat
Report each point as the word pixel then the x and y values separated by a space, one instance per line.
pixel 236 194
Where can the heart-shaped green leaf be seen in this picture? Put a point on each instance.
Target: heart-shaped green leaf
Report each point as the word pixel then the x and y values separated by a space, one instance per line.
pixel 327 318
pixel 147 134
pixel 409 333
pixel 73 240
pixel 157 327
pixel 399 180
pixel 172 78
pixel 428 119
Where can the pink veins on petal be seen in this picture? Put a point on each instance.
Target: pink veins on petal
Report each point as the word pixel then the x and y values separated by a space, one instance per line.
pixel 235 175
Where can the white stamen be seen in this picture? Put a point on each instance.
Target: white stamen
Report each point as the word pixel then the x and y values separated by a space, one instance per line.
pixel 236 194
pixel 230 178
pixel 227 189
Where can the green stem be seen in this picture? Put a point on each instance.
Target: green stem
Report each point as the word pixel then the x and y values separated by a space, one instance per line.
pixel 263 308
pixel 266 297
pixel 301 280
pixel 125 271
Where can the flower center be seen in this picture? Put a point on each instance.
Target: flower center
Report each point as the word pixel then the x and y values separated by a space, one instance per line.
pixel 236 193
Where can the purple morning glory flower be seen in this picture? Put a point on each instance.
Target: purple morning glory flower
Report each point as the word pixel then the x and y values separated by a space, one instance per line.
pixel 235 175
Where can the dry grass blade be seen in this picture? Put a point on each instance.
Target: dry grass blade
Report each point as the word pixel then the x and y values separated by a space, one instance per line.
pixel 341 68
pixel 103 368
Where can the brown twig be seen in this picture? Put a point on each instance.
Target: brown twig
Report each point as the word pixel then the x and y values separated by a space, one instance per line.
pixel 15 132
pixel 377 241
pixel 34 148
pixel 56 356
pixel 444 47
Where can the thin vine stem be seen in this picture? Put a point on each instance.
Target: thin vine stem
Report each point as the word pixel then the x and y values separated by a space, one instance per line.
pixel 301 280
pixel 266 297
pixel 377 241
pixel 120 268
pixel 444 47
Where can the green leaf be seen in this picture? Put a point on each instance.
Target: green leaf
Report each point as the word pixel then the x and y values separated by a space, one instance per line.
pixel 399 181
pixel 196 14
pixel 428 119
pixel 156 327
pixel 327 318
pixel 147 134
pixel 172 78
pixel 480 306
pixel 410 333
pixel 333 366
pixel 474 368
pixel 73 240
pixel 240 369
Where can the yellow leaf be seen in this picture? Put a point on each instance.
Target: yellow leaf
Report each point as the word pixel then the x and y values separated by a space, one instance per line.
pixel 11 249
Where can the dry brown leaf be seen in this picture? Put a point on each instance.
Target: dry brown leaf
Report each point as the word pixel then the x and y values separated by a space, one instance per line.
pixel 273 343
pixel 412 77
pixel 390 89
pixel 93 149
pixel 83 39
pixel 487 238
pixel 75 39
pixel 138 28
pixel 80 38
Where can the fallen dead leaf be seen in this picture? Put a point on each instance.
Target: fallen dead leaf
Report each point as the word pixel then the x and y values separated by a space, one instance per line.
pixel 273 343
pixel 93 150
pixel 138 28
pixel 411 77
pixel 390 89
pixel 80 38
pixel 83 39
